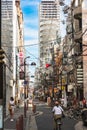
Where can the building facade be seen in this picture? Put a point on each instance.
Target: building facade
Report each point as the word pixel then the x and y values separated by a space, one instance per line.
pixel 74 52
pixel 80 14
pixel 11 36
pixel 49 34
pixel 49 28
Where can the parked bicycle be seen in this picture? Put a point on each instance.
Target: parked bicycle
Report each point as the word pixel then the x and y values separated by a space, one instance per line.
pixel 74 113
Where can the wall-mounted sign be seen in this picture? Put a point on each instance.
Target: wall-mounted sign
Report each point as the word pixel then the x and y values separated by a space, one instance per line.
pixel 21 60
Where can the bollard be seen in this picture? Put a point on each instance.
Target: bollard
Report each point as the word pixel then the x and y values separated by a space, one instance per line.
pixel 17 125
pixel 34 108
pixel 25 109
pixel 21 121
pixel 27 105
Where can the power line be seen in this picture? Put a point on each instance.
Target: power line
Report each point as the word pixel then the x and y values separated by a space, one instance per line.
pixel 21 46
pixel 33 55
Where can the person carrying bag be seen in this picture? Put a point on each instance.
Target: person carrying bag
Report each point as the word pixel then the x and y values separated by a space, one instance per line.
pixel 58 113
pixel 11 108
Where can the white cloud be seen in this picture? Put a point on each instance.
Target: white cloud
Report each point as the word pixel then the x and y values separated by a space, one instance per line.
pixel 31 33
pixel 31 42
pixel 31 21
pixel 29 3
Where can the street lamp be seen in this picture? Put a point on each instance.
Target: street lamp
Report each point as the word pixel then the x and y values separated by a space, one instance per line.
pixel 25 67
pixel 25 84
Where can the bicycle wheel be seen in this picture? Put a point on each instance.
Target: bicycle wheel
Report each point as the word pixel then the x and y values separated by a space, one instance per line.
pixel 58 127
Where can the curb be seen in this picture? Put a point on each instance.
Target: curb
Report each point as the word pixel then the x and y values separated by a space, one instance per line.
pixel 31 122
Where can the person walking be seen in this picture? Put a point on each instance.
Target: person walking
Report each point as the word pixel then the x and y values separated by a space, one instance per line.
pixel 57 113
pixel 11 108
pixel 84 102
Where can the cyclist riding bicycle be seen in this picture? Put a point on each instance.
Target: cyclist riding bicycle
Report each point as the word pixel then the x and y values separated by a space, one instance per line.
pixel 57 113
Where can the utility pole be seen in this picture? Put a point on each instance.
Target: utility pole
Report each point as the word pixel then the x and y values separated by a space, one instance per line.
pixel 25 86
pixel 24 89
pixel 16 98
pixel 53 71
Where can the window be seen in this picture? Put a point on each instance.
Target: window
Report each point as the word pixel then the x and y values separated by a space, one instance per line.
pixel 84 4
pixel 76 3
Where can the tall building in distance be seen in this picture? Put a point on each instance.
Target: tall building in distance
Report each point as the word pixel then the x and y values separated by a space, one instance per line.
pixel 49 29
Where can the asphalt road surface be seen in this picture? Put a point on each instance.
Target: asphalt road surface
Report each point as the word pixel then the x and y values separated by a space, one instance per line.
pixel 44 120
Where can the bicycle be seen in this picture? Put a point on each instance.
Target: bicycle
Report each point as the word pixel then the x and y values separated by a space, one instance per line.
pixel 58 124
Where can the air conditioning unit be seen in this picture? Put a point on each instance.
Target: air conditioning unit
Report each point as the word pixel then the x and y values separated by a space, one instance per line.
pixel 79 75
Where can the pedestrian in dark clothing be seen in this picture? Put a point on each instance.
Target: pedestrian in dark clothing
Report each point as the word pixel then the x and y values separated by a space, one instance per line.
pixel 84 102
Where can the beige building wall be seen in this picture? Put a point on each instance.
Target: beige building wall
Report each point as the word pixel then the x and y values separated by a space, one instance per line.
pixel 84 23
pixel 19 49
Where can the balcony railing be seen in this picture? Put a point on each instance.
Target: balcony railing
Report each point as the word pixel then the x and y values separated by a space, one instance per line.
pixel 77 12
pixel 78 35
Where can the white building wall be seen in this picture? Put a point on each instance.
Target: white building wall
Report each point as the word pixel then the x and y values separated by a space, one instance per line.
pixel 14 44
pixel 9 44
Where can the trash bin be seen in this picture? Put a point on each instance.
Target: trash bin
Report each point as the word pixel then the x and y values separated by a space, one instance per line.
pixel 34 108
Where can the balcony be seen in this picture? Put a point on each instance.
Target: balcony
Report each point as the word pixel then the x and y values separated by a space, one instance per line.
pixel 78 36
pixel 77 12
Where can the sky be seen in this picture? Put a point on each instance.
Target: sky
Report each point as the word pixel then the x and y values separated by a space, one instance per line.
pixel 30 15
pixel 31 27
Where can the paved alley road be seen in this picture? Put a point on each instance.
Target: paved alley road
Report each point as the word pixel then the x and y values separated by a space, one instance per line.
pixel 44 120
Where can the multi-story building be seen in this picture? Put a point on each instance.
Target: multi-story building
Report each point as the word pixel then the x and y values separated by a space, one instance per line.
pixel 49 28
pixel 49 31
pixel 7 45
pixel 12 36
pixel 79 40
pixel 19 51
pixel 84 46
pixel 75 49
